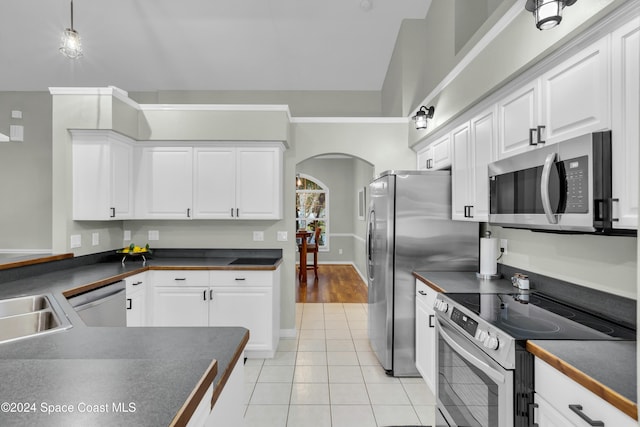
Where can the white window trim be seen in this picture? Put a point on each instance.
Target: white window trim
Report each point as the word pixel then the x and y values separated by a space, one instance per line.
pixel 326 220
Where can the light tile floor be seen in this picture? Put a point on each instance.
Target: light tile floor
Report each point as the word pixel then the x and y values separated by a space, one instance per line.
pixel 329 377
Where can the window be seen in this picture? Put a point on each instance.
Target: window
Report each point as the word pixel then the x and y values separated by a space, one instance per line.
pixel 312 207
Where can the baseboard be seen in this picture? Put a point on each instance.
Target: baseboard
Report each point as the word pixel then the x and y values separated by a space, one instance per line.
pixel 288 333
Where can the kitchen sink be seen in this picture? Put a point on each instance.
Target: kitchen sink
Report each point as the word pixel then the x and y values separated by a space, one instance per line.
pixel 13 306
pixel 30 316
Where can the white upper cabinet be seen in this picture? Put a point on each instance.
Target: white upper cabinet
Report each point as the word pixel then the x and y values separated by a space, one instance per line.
pixel 625 125
pixel 473 145
pixel 259 183
pixel 102 175
pixel 238 183
pixel 209 182
pixel 214 182
pixel 436 155
pixel 518 113
pixel 576 94
pixel 164 189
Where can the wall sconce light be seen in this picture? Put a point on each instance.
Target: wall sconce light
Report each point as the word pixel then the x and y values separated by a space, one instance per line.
pixel 548 13
pixel 422 115
pixel 70 45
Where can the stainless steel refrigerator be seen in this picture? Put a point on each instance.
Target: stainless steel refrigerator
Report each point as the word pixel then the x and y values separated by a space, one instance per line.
pixel 409 229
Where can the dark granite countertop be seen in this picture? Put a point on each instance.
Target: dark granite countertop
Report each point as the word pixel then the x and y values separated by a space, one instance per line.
pixel 156 368
pixel 606 364
pixel 462 282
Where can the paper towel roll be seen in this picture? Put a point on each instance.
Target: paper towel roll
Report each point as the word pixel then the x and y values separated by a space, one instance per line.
pixel 488 255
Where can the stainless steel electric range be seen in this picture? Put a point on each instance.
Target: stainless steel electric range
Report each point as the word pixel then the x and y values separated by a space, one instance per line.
pixel 485 375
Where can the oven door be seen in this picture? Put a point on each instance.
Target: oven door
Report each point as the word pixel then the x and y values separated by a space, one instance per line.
pixel 473 390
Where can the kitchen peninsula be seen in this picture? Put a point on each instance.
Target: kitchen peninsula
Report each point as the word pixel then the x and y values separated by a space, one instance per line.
pixel 114 375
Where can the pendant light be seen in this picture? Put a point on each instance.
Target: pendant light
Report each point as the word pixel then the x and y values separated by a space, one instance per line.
pixel 422 115
pixel 70 45
pixel 548 13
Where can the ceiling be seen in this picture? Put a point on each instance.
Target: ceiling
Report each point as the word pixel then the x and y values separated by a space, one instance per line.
pixel 149 45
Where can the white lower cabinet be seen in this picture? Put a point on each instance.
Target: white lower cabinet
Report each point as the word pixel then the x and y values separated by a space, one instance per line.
pixel 250 299
pixel 426 334
pixel 136 302
pixel 228 410
pixel 563 402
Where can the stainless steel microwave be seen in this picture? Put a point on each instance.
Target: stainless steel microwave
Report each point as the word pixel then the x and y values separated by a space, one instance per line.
pixel 563 187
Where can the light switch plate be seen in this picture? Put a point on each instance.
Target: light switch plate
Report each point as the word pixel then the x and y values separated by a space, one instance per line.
pixel 258 236
pixel 127 234
pixel 16 114
pixel 76 241
pixel 282 236
pixel 95 239
pixel 154 235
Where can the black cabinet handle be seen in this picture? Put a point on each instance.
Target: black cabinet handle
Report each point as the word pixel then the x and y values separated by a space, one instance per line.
pixel 240 279
pixel 431 325
pixel 531 132
pixel 539 132
pixel 204 295
pixel 422 293
pixel 113 213
pixel 231 212
pixel 180 278
pixel 578 410
pixel 237 212
pixel 467 211
pixel 129 304
pixel 210 294
pixel 532 407
pixel 136 283
pixel 188 212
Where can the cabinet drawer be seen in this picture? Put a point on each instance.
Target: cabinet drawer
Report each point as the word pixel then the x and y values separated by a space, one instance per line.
pixel 135 282
pixel 180 278
pixel 426 294
pixel 241 277
pixel 553 386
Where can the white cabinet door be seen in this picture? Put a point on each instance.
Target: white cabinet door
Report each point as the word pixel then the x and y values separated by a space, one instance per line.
pixel 517 114
pixel 180 306
pixel 102 175
pixel 259 183
pixel 461 172
pixel 426 334
pixel 165 183
pixel 136 308
pixel 557 392
pixel 625 125
pixel 249 307
pixel 576 94
pixel 214 182
pixel 436 156
pixel 136 303
pixel 481 145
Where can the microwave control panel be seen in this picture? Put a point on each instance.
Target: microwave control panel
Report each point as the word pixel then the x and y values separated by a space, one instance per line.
pixel 577 174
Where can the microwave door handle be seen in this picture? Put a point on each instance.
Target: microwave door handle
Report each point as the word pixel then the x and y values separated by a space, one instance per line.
pixel 475 361
pixel 544 188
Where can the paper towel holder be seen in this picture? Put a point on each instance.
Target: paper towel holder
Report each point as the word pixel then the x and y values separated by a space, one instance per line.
pixel 488 276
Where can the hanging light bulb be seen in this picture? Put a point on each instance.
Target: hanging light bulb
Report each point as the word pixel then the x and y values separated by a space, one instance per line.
pixel 547 13
pixel 70 46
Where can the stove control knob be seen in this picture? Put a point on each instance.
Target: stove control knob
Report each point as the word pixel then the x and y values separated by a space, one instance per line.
pixel 491 343
pixel 441 306
pixel 481 335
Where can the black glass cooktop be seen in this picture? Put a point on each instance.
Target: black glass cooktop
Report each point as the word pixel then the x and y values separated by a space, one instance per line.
pixel 535 316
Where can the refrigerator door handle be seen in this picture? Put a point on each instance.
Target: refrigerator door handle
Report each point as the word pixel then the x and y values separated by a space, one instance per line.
pixel 372 216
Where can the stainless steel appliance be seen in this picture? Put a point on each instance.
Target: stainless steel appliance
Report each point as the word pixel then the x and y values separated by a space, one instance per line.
pixel 409 228
pixel 104 306
pixel 560 187
pixel 485 375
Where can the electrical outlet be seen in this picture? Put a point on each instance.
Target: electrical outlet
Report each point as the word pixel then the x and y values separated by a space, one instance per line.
pixel 95 239
pixel 154 235
pixel 282 236
pixel 258 236
pixel 76 241
pixel 127 235
pixel 339 251
pixel 503 246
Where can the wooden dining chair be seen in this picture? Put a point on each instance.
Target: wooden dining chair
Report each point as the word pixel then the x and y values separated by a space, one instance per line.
pixel 313 248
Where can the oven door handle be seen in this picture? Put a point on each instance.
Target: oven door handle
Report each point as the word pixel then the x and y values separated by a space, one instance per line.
pixel 544 188
pixel 475 361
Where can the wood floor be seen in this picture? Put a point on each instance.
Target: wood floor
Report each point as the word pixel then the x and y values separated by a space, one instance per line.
pixel 335 283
